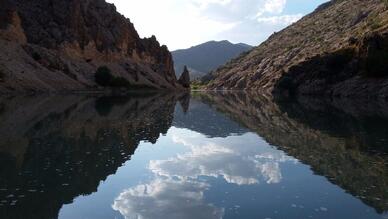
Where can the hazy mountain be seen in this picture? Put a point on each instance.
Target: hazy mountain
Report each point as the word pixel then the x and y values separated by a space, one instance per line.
pixel 203 58
pixel 341 49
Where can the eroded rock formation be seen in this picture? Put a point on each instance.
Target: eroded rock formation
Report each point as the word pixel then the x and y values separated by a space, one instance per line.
pixel 57 45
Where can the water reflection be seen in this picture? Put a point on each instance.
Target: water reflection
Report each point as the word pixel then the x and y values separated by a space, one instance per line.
pixel 343 140
pixel 238 162
pixel 202 118
pixel 178 187
pixel 167 198
pixel 54 149
pixel 217 155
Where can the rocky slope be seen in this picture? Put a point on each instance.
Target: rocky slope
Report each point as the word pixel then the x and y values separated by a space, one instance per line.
pixel 341 49
pixel 203 58
pixel 57 45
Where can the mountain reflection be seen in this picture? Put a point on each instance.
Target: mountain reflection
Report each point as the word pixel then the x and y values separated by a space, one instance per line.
pixel 54 149
pixel 202 118
pixel 345 141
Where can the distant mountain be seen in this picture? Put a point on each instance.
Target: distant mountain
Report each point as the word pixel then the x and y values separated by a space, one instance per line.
pixel 203 58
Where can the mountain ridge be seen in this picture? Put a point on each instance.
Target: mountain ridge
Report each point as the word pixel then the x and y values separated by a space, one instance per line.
pixel 205 57
pixel 325 53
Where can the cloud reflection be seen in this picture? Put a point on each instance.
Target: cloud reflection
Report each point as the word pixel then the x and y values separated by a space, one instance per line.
pixel 241 160
pixel 166 198
pixel 177 191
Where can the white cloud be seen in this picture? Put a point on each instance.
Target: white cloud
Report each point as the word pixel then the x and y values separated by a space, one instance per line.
pixel 184 23
pixel 163 198
pixel 272 7
pixel 178 24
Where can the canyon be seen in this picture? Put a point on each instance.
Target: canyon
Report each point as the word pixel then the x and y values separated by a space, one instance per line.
pixel 58 45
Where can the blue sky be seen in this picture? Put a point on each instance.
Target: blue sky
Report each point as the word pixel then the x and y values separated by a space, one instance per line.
pixel 183 23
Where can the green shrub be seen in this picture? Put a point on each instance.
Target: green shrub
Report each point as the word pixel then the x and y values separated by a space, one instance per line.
pixel 103 76
pixel 196 85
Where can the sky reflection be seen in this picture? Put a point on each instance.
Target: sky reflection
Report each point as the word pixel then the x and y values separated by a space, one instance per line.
pixel 179 184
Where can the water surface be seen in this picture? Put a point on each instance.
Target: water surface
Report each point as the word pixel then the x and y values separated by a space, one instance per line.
pixel 204 155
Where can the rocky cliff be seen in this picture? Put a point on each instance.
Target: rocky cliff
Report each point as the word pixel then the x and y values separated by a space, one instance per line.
pixel 57 45
pixel 340 49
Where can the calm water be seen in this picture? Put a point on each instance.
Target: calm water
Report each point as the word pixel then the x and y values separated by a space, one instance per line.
pixel 211 155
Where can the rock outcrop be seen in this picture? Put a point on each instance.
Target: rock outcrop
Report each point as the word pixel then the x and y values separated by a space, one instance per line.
pixel 57 45
pixel 340 49
pixel 184 79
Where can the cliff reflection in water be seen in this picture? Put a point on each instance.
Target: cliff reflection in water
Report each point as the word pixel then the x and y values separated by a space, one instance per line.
pixel 345 141
pixel 54 149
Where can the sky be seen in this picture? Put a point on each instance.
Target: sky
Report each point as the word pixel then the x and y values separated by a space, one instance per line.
pixel 180 24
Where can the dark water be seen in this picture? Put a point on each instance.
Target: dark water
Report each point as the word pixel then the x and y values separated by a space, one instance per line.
pixel 211 155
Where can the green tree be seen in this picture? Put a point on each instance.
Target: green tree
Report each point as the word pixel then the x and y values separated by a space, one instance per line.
pixel 103 76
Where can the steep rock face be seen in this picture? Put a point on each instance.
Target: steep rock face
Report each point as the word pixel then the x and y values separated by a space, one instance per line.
pixel 333 28
pixel 61 44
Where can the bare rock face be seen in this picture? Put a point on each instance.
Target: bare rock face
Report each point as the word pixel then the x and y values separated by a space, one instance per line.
pixel 184 80
pixel 325 53
pixel 57 45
